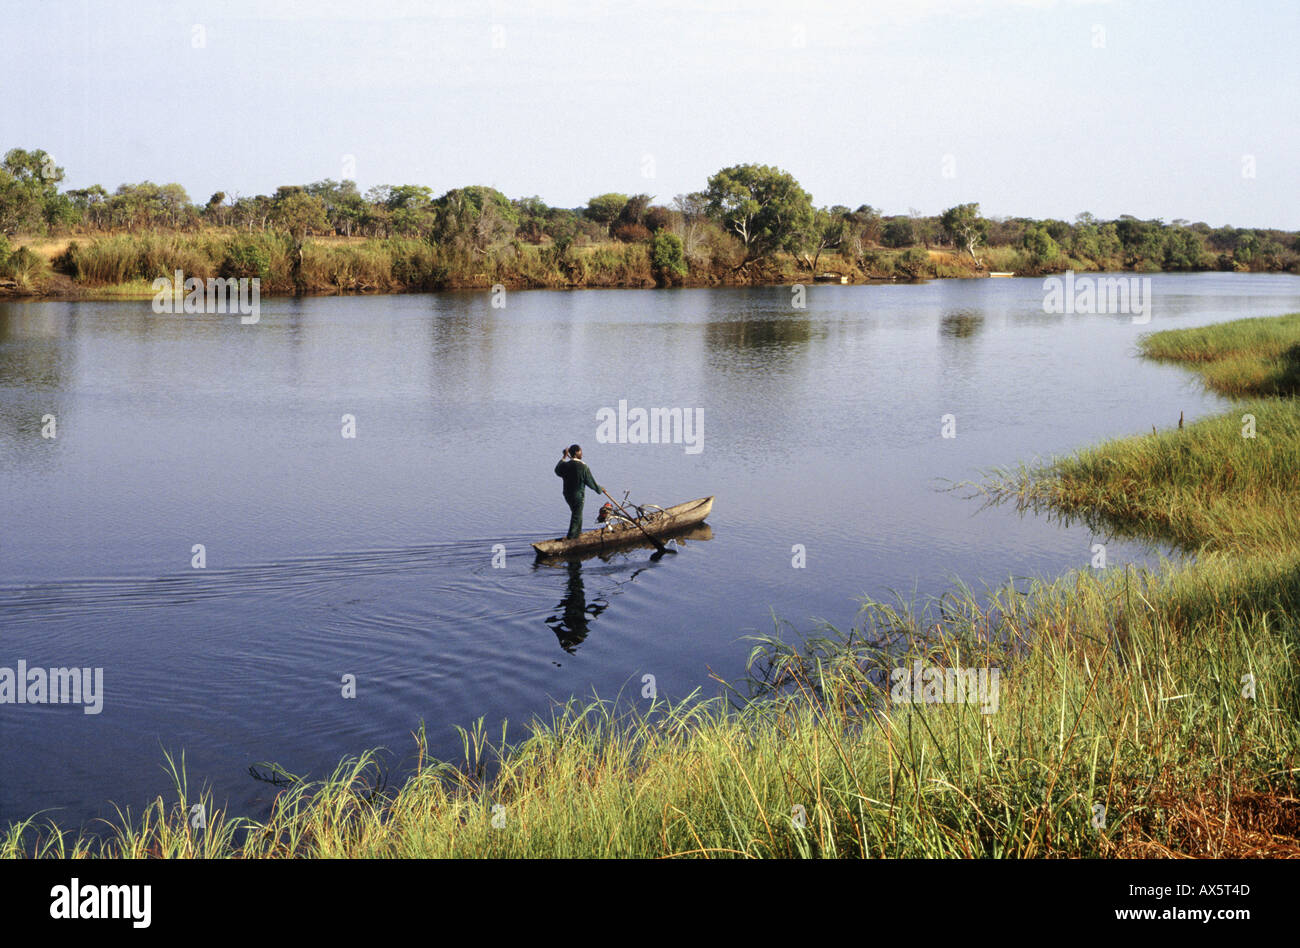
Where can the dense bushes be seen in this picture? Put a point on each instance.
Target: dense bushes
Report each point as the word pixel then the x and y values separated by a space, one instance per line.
pixel 667 258
pixel 246 257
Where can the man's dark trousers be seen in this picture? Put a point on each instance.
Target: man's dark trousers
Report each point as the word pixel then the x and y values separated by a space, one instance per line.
pixel 575 506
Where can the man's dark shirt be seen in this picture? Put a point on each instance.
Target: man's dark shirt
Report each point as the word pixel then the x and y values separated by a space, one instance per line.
pixel 577 476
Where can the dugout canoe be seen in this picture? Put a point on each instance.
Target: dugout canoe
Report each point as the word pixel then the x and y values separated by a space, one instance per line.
pixel 672 520
pixel 700 533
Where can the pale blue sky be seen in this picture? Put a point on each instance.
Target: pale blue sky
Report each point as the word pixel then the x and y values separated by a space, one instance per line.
pixel 1045 107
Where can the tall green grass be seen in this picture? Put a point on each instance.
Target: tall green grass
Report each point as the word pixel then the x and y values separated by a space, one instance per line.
pixel 1258 356
pixel 128 258
pixel 1203 487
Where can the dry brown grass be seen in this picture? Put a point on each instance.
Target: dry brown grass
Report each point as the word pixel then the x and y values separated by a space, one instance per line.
pixel 48 247
pixel 1205 826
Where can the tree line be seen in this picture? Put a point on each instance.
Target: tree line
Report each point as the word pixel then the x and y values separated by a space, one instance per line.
pixel 746 214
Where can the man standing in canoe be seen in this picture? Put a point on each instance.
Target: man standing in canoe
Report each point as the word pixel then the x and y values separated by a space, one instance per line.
pixel 577 478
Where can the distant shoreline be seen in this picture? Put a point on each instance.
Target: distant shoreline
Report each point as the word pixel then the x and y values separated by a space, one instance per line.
pixel 605 266
pixel 752 224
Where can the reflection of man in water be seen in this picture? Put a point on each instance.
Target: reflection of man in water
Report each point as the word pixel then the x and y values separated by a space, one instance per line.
pixel 571 625
pixel 577 477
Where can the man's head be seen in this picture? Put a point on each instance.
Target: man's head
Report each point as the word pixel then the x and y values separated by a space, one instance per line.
pixel 575 451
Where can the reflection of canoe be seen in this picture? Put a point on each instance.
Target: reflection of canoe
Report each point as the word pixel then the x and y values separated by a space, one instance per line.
pixel 672 521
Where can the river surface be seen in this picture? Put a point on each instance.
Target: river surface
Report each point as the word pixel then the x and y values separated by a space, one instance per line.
pixel 373 556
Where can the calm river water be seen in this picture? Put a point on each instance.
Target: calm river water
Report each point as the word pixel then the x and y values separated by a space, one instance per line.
pixel 373 556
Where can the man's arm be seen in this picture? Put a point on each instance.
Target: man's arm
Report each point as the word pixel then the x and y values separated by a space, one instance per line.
pixel 590 480
pixel 559 468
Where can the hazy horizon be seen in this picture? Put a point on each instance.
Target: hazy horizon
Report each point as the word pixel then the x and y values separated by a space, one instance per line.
pixel 1034 108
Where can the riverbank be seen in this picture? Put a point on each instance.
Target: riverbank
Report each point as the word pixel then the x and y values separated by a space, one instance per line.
pixel 1136 714
pixel 124 266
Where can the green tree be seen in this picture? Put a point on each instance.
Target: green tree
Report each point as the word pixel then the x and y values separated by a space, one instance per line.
pixel 1007 231
pixel 148 205
pixel 1142 242
pixel 251 212
pixel 634 210
pixel 174 205
pixel 297 213
pixel 214 210
pixel 562 225
pixel 630 225
pixel 1059 231
pixel 91 204
pixel 1039 244
pixel 411 209
pixel 1248 248
pixel 864 227
pixel 605 208
pixel 474 219
pixel 1183 249
pixel 29 181
pixel 348 211
pixel 965 227
pixel 898 232
pixel 826 230
pixel 61 213
pixel 344 205
pixel 762 205
pixel 533 215
pixel 925 228
pixel 1224 239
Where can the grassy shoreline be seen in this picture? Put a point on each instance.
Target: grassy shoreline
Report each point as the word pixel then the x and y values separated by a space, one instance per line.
pixel 115 268
pixel 1138 713
pixel 123 266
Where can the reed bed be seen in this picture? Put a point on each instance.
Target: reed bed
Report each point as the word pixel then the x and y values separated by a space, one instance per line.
pixel 1259 356
pixel 1202 487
